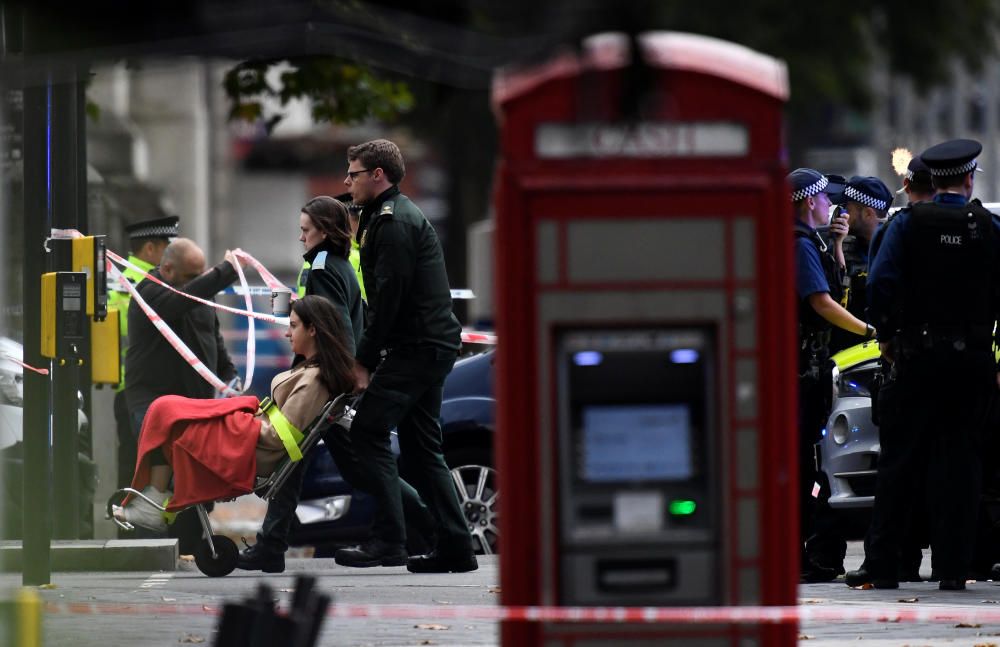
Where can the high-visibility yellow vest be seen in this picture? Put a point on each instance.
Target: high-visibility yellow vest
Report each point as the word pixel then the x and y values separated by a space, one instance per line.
pixel 119 298
pixel 290 436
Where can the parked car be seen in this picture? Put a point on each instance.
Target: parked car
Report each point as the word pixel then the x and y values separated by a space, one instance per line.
pixel 849 446
pixel 12 447
pixel 331 514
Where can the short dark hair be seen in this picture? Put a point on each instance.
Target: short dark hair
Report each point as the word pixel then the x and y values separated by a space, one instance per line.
pixel 135 244
pixel 330 216
pixel 949 181
pixel 380 153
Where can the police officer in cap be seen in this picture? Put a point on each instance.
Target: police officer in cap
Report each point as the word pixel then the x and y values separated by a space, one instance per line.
pixel 146 240
pixel 933 295
pixel 818 281
pixel 895 440
pixel 866 201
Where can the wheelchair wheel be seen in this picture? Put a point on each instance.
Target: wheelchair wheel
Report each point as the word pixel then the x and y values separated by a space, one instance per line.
pixel 224 563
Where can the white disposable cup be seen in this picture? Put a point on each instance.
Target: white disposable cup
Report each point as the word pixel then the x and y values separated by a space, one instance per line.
pixel 281 302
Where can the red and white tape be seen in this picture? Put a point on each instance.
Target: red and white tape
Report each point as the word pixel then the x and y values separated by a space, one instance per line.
pixel 605 615
pixel 170 335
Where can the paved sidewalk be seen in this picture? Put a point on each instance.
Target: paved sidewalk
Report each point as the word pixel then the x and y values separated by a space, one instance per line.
pixel 189 589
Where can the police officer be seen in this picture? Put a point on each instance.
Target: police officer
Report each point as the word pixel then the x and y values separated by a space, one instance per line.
pixel 866 201
pixel 894 438
pixel 818 285
pixel 933 294
pixel 146 240
pixel 408 347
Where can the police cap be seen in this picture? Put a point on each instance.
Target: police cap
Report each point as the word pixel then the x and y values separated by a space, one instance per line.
pixel 955 157
pixel 348 202
pixel 917 173
pixel 807 182
pixel 168 227
pixel 869 191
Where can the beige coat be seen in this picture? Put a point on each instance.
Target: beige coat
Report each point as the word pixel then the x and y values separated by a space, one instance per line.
pixel 300 395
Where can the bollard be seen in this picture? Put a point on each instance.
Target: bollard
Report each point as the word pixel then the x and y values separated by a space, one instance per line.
pixel 27 620
pixel 257 623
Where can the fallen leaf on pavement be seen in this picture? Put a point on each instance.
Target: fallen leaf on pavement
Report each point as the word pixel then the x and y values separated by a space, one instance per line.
pixel 427 642
pixel 805 637
pixel 867 586
pixel 46 587
pixel 494 589
pixel 432 627
pixel 967 625
pixel 187 558
pixel 191 638
pixel 908 600
pixel 812 601
pixel 985 645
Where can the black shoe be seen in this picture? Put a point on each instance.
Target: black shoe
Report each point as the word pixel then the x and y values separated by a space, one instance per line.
pixel 373 552
pixel 951 585
pixel 436 562
pixel 259 558
pixel 861 577
pixel 813 573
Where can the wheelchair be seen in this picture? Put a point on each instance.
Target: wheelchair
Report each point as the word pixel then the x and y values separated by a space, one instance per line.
pixel 218 554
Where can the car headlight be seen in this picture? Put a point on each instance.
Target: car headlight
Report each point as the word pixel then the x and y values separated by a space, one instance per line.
pixel 11 388
pixel 855 383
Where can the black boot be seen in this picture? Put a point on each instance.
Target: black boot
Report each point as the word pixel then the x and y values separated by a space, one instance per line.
pixel 373 552
pixel 861 577
pixel 259 558
pixel 439 562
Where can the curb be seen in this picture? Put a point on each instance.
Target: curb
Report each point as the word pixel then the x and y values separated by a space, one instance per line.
pixel 99 555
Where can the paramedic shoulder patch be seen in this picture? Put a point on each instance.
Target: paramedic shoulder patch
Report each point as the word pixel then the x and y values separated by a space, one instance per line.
pixel 387 208
pixel 319 262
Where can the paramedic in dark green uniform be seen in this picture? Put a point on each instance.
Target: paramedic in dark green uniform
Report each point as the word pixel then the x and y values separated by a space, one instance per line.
pixel 408 347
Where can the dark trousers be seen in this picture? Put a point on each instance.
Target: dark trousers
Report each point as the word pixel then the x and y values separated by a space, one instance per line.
pixel 898 449
pixel 127 445
pixel 281 509
pixel 405 392
pixel 943 408
pixel 820 531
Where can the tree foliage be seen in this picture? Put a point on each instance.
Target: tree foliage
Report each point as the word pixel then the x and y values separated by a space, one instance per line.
pixel 339 91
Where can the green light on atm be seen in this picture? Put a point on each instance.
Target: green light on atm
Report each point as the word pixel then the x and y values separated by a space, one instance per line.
pixel 682 507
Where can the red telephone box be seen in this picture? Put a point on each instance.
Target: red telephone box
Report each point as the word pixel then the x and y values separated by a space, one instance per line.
pixel 646 369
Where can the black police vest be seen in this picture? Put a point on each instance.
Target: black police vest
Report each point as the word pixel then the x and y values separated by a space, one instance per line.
pixel 809 321
pixel 949 278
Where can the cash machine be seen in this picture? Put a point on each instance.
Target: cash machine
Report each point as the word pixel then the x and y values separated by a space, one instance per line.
pixel 645 319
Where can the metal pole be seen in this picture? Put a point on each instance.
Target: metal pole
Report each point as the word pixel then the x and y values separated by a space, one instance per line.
pixel 36 525
pixel 65 187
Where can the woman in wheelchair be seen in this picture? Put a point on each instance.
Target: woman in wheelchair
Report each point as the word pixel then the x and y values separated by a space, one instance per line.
pixel 213 449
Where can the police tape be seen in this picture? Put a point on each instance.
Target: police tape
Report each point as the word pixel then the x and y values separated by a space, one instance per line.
pixel 11 358
pixel 171 337
pixel 747 615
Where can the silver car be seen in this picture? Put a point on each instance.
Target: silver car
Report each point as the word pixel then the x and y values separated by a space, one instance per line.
pixel 849 446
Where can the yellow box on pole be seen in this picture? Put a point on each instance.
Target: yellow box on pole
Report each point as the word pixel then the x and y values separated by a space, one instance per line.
pixel 63 320
pixel 49 315
pixel 28 605
pixel 105 349
pixel 88 257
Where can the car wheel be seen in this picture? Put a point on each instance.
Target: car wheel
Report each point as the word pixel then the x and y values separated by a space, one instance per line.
pixel 476 482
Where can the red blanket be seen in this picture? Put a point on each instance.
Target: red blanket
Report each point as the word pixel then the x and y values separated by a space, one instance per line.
pixel 209 443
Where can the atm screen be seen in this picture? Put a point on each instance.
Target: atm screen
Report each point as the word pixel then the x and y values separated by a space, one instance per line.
pixel 636 443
